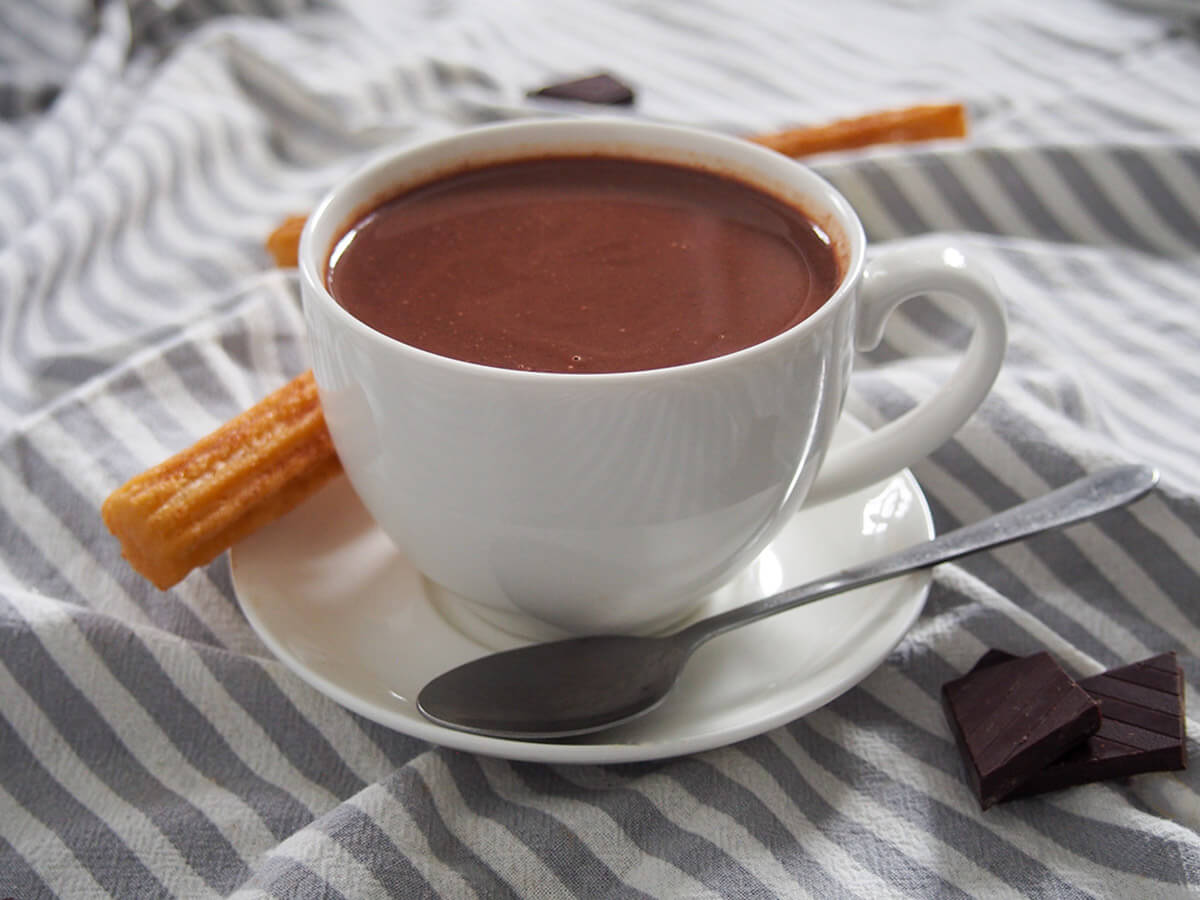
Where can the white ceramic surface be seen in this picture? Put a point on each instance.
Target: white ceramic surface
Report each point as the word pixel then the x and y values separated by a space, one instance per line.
pixel 330 595
pixel 611 502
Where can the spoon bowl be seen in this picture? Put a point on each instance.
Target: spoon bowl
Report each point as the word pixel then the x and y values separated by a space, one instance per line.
pixel 534 692
pixel 586 684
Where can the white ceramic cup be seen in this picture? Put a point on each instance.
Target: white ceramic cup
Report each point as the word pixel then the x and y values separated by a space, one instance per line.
pixel 578 503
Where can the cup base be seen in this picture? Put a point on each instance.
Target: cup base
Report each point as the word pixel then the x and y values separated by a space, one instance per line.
pixel 499 630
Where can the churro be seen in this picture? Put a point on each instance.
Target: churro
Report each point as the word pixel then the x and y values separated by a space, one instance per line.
pixel 913 123
pixel 187 510
pixel 910 124
pixel 284 242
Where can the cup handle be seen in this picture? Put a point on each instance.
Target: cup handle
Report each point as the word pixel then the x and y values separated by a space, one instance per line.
pixel 888 281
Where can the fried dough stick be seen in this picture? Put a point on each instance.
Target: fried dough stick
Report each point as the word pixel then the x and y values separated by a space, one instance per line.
pixel 914 123
pixel 187 510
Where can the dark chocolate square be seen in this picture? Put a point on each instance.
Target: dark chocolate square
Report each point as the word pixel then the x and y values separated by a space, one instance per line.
pixel 601 89
pixel 1011 719
pixel 1142 728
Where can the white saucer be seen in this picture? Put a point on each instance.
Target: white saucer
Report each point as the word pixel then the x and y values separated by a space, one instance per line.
pixel 331 596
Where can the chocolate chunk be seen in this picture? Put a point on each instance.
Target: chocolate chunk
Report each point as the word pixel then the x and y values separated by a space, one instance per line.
pixel 602 89
pixel 1013 718
pixel 1141 728
pixel 992 657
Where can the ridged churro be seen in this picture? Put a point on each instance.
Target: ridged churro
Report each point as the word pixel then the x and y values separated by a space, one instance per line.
pixel 187 510
pixel 896 126
pixel 913 123
pixel 284 242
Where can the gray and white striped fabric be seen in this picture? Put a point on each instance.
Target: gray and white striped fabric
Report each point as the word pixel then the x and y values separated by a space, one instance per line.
pixel 149 744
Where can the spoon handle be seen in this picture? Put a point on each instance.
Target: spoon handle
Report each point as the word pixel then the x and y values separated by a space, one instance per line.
pixel 1075 502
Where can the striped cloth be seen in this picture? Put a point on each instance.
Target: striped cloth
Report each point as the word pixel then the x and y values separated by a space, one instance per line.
pixel 149 744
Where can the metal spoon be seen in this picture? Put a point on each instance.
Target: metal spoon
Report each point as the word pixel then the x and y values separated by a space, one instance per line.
pixel 580 685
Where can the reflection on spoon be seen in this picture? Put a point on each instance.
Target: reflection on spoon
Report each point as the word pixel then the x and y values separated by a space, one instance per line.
pixel 586 684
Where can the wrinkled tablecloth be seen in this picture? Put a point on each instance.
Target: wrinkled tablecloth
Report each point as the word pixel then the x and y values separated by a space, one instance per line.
pixel 151 746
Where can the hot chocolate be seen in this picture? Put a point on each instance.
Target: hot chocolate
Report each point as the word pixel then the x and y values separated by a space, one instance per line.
pixel 583 264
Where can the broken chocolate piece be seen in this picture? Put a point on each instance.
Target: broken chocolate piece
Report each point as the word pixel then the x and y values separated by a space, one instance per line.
pixel 601 89
pixel 1141 728
pixel 992 657
pixel 1013 718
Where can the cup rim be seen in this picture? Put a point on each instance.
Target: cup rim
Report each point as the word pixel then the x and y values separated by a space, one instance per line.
pixel 629 134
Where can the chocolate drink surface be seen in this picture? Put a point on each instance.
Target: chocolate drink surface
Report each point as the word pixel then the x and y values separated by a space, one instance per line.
pixel 583 264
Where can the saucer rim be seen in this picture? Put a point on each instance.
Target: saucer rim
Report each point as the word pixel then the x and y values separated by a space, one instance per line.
pixel 591 752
